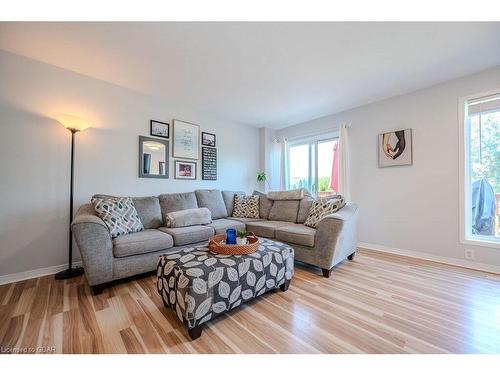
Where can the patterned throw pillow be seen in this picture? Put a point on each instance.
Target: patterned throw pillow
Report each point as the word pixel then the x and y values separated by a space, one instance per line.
pixel 246 206
pixel 322 207
pixel 119 215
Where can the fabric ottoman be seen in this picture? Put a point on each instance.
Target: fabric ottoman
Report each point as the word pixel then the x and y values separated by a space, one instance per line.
pixel 200 285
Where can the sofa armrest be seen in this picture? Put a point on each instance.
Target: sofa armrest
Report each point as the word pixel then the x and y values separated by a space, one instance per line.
pixel 95 244
pixel 336 235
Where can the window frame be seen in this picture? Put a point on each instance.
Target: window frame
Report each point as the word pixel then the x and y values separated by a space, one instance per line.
pixel 466 236
pixel 313 169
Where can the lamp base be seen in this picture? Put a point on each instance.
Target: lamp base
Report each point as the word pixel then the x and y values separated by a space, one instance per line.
pixel 69 273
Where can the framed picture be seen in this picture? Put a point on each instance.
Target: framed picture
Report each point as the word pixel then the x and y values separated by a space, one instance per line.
pixel 395 148
pixel 185 170
pixel 208 163
pixel 160 129
pixel 208 139
pixel 186 140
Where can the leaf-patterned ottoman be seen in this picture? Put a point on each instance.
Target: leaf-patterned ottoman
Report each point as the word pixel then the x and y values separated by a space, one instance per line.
pixel 199 285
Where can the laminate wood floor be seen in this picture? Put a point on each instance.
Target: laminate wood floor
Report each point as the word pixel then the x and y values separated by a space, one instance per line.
pixel 377 303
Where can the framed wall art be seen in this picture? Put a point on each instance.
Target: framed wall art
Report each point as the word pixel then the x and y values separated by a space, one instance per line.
pixel 160 129
pixel 208 163
pixel 186 140
pixel 185 170
pixel 208 139
pixel 395 148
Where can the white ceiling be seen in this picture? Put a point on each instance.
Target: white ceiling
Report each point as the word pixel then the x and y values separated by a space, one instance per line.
pixel 263 74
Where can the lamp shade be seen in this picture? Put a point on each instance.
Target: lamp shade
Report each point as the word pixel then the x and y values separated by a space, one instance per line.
pixel 72 122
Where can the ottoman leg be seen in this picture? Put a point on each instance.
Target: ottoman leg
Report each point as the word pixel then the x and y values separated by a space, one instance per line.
pixel 284 286
pixel 195 332
pixel 351 257
pixel 326 272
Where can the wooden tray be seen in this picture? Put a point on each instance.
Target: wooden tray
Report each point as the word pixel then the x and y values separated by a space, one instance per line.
pixel 215 245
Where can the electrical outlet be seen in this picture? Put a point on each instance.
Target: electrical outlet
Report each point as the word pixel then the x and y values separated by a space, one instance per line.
pixel 469 254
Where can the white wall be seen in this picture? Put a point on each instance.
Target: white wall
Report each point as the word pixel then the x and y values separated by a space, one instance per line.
pixel 412 208
pixel 34 154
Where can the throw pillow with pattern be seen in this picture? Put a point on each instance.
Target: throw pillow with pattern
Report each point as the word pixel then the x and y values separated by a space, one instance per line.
pixel 322 207
pixel 246 206
pixel 119 215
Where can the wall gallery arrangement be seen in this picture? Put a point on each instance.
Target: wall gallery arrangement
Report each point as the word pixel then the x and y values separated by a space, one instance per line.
pixel 186 145
pixel 395 148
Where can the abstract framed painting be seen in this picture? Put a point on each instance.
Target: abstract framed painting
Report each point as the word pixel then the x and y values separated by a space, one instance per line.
pixel 395 148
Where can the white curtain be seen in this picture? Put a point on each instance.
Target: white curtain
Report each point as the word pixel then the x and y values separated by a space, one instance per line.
pixel 284 164
pixel 344 163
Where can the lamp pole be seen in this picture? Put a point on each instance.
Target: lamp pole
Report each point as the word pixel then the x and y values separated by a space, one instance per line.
pixel 76 271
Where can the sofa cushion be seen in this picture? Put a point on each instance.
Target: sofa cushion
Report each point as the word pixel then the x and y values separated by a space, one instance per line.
pixel 177 202
pixel 186 218
pixel 143 242
pixel 189 235
pixel 296 234
pixel 246 206
pixel 212 199
pixel 265 204
pixel 228 197
pixel 246 219
pixel 265 228
pixel 286 195
pixel 284 211
pixel 322 207
pixel 220 225
pixel 148 209
pixel 304 207
pixel 119 215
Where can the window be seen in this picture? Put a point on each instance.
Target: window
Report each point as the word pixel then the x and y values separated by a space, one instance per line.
pixel 480 207
pixel 310 165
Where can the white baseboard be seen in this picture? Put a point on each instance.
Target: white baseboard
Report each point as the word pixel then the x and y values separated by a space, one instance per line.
pixel 13 277
pixel 433 258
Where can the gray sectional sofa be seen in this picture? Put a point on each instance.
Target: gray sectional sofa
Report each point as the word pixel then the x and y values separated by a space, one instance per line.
pixel 106 259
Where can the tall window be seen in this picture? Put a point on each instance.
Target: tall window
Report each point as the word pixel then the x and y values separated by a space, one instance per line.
pixel 311 165
pixel 481 190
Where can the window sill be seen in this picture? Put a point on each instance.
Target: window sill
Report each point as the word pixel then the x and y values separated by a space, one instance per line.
pixel 481 241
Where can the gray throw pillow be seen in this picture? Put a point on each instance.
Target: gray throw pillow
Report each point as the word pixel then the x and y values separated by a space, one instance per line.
pixel 187 218
pixel 119 215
